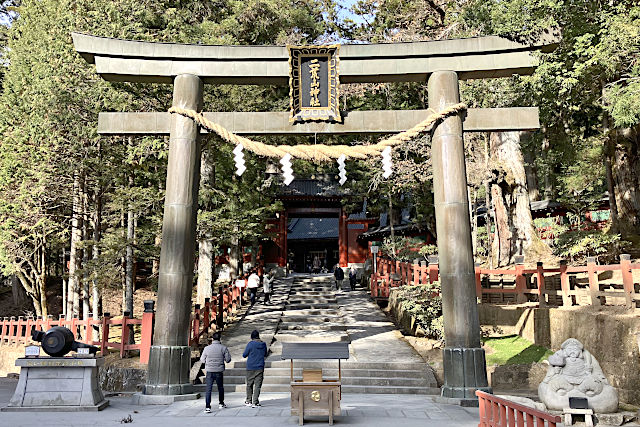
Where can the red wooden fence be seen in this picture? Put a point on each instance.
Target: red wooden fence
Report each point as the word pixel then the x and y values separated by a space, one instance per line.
pixel 498 412
pixel 212 316
pixel 524 282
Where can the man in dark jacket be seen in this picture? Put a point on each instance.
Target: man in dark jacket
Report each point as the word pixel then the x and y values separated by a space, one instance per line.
pixel 255 352
pixel 338 273
pixel 214 357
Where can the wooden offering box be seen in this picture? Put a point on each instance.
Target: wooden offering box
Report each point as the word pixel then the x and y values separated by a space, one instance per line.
pixel 314 395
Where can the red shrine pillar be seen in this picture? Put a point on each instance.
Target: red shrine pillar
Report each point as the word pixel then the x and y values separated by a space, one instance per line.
pixel 343 239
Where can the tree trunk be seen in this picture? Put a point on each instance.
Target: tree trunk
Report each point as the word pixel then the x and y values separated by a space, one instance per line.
pixel 65 283
pixel 627 180
pixel 206 261
pixel 97 234
pixel 86 302
pixel 392 231
pixel 17 292
pixel 515 233
pixel 129 280
pixel 487 201
pixel 234 257
pixel 205 268
pixel 73 295
pixel 548 187
pixel 530 170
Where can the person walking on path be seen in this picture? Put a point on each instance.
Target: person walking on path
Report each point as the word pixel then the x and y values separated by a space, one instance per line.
pixel 252 285
pixel 267 287
pixel 353 277
pixel 338 273
pixel 214 356
pixel 255 352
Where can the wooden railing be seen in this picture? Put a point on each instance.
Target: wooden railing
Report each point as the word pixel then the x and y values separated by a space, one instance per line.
pixel 498 412
pixel 116 332
pixel 523 284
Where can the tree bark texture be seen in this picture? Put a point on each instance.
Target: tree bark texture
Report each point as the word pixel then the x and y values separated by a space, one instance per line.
pixel 510 198
pixel 627 180
pixel 73 295
pixel 86 301
pixel 530 170
pixel 206 260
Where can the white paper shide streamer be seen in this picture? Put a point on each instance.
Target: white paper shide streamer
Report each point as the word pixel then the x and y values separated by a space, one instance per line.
pixel 287 171
pixel 238 156
pixel 342 171
pixel 387 163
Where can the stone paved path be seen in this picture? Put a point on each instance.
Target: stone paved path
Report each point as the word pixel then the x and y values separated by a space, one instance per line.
pixel 357 410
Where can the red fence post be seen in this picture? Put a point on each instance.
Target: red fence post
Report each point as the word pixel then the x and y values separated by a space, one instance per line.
pixel 195 325
pixel 124 340
pixel 594 286
pixel 146 331
pixel 104 342
pixel 206 314
pixel 433 268
pixel 564 284
pixel 478 272
pixel 220 309
pixel 416 272
pixel 521 283
pixel 627 279
pixel 542 296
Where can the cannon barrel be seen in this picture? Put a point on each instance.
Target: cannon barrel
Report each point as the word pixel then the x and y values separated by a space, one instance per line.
pixel 59 341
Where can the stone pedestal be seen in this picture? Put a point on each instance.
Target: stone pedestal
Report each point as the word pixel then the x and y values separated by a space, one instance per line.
pixel 58 384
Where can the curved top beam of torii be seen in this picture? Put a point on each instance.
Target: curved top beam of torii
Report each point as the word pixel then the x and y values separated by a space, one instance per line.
pixel 138 61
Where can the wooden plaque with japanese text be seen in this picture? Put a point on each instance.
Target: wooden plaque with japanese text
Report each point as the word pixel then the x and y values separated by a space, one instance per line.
pixel 313 83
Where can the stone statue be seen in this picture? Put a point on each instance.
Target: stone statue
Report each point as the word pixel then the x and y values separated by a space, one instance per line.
pixel 574 372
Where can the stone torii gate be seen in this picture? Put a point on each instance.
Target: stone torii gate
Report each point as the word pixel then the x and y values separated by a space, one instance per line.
pixel 189 67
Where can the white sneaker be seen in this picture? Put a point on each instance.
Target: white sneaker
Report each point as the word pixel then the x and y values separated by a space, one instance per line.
pixel 222 406
pixel 207 410
pixel 256 405
pixel 247 403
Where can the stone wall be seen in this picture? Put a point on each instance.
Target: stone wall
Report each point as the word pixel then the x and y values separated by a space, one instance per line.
pixel 8 355
pixel 611 334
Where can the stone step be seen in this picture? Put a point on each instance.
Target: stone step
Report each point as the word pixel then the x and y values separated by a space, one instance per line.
pixel 286 388
pixel 357 381
pixel 309 312
pixel 333 372
pixel 323 363
pixel 286 326
pixel 308 306
pixel 310 319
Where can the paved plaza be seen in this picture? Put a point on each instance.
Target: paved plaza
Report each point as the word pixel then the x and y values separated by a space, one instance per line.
pixel 357 409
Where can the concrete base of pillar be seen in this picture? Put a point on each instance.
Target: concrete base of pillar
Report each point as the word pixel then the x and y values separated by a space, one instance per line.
pixel 169 367
pixel 161 399
pixel 465 371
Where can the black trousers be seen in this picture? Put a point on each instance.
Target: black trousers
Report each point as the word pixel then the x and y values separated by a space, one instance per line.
pixel 218 378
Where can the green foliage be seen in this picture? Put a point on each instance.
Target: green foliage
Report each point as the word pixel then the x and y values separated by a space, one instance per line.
pixel 424 303
pixel 514 350
pixel 579 244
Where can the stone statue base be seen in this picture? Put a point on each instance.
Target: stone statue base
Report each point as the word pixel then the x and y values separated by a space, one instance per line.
pixel 58 384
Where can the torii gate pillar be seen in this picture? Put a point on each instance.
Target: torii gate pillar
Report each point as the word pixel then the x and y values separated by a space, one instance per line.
pixel 464 359
pixel 170 359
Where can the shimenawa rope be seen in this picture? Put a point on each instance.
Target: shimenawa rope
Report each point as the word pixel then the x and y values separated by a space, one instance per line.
pixel 320 152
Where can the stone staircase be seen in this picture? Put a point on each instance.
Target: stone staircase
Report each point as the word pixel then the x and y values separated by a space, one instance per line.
pixel 311 310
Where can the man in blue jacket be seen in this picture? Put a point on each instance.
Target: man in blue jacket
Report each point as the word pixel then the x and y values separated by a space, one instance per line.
pixel 255 352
